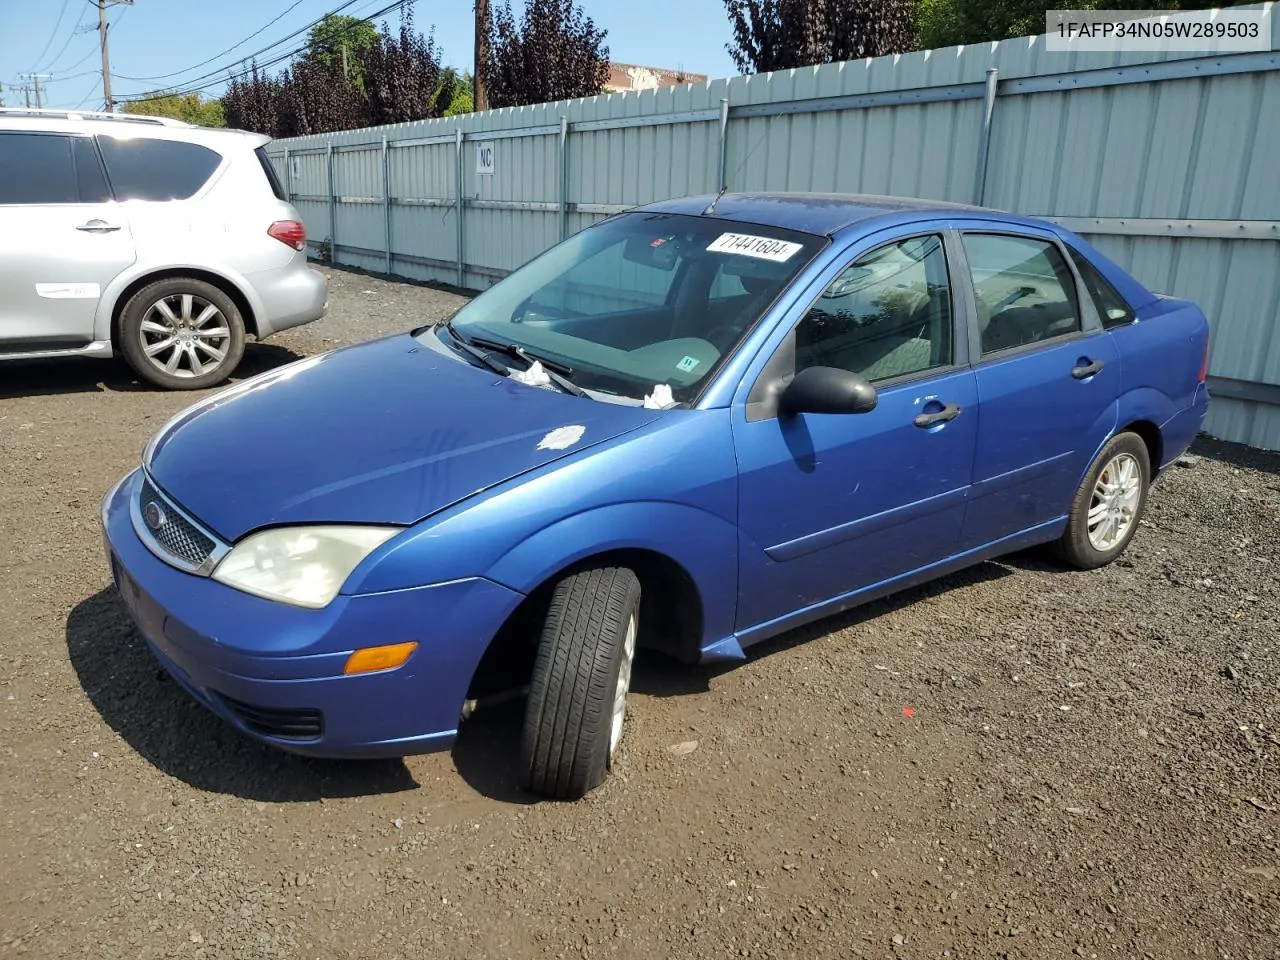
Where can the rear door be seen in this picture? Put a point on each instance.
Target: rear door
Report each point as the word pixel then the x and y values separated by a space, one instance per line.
pixel 1048 382
pixel 62 240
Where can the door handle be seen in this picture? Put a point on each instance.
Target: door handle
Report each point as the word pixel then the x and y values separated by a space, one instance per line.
pixel 98 226
pixel 1084 371
pixel 949 412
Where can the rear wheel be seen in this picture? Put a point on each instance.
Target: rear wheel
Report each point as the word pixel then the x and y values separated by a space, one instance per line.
pixel 182 334
pixel 578 693
pixel 1108 505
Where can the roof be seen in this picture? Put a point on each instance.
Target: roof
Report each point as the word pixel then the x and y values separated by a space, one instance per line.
pixel 630 76
pixel 821 213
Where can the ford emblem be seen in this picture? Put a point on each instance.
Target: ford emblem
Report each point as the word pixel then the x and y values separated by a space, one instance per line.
pixel 153 515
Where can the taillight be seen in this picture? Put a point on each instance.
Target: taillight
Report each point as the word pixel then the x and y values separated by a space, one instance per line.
pixel 1204 364
pixel 289 232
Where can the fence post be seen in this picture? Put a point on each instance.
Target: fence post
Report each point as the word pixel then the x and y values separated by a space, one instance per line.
pixel 288 177
pixel 458 141
pixel 564 176
pixel 333 221
pixel 724 143
pixel 386 202
pixel 984 141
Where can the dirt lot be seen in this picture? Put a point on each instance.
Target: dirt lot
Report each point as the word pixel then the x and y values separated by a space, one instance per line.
pixel 1014 762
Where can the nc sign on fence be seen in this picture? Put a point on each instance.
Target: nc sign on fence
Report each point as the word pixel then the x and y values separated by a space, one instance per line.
pixel 484 157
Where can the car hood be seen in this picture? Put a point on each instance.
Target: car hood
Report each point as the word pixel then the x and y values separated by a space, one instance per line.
pixel 383 432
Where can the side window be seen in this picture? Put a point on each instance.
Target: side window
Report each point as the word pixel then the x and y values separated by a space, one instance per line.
pixel 886 315
pixel 37 168
pixel 269 170
pixel 1024 290
pixel 145 169
pixel 90 180
pixel 1111 306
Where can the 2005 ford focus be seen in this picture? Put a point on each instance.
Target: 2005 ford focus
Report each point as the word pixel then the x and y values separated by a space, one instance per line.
pixel 688 428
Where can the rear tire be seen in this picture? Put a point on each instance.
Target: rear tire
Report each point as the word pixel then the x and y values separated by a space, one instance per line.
pixel 577 696
pixel 182 334
pixel 1109 504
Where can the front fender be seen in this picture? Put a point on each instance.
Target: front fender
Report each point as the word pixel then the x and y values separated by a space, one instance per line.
pixel 703 544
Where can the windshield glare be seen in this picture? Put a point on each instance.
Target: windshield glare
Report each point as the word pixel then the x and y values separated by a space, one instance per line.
pixel 642 299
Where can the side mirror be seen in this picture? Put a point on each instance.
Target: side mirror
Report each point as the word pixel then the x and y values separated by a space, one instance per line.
pixel 827 390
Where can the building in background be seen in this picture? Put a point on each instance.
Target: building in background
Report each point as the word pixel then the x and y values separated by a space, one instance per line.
pixel 628 76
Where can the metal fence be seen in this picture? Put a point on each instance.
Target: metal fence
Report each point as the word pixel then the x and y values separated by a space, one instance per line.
pixel 1170 163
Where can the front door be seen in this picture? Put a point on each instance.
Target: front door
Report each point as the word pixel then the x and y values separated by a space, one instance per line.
pixel 832 503
pixel 62 240
pixel 1048 382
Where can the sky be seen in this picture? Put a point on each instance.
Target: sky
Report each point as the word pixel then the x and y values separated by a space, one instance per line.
pixel 153 38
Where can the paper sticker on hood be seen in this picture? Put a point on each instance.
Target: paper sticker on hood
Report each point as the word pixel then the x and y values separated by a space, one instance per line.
pixel 562 438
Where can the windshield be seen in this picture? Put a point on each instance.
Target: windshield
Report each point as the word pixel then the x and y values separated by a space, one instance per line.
pixel 642 299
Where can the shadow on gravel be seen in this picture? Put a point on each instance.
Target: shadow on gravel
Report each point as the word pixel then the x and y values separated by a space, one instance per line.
pixel 34 378
pixel 175 734
pixel 1238 455
pixel 982 573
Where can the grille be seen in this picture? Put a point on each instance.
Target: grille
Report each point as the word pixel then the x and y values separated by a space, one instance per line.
pixel 301 724
pixel 176 536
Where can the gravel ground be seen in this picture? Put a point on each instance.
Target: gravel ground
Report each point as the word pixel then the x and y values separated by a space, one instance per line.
pixel 1013 762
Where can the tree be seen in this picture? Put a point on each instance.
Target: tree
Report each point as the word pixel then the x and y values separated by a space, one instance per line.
pixel 189 107
pixel 455 93
pixel 400 80
pixel 337 41
pixel 555 52
pixel 782 34
pixel 946 23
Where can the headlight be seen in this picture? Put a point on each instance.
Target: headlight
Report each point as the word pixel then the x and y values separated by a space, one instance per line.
pixel 305 566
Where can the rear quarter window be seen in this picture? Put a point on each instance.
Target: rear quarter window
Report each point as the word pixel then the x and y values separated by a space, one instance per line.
pixel 269 170
pixel 160 170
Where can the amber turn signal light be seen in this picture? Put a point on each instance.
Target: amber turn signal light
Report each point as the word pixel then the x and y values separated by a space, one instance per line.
pixel 369 659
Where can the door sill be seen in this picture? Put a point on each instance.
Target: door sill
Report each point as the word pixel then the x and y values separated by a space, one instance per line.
pixel 98 348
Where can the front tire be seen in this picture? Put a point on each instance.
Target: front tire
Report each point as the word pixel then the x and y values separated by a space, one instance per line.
pixel 1110 502
pixel 577 697
pixel 182 334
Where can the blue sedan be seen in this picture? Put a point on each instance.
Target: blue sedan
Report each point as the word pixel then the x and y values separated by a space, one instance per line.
pixel 687 428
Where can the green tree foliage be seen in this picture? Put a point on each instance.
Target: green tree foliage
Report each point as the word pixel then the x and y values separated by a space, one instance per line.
pixel 945 23
pixel 335 34
pixel 456 93
pixel 188 107
pixel 782 34
pixel 554 52
pixel 401 80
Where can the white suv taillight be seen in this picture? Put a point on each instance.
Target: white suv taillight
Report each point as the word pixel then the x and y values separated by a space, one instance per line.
pixel 289 232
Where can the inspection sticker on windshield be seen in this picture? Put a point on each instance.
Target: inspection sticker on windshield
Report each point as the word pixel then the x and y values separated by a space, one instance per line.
pixel 762 248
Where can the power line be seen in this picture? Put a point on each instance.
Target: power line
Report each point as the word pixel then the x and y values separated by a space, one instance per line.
pixel 257 53
pixel 273 61
pixel 74 31
pixel 54 33
pixel 165 76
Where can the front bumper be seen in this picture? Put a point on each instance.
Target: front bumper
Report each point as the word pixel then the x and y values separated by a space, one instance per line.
pixel 275 671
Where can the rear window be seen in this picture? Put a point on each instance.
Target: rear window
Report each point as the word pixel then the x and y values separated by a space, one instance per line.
pixel 145 169
pixel 1111 306
pixel 273 178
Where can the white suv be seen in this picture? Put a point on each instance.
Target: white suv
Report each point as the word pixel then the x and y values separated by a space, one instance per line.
pixel 159 240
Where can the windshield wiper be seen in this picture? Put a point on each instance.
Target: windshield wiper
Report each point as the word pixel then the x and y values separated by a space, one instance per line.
pixel 476 352
pixel 558 373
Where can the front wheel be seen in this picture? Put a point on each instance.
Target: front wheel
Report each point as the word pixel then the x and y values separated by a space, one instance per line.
pixel 1107 507
pixel 578 693
pixel 182 334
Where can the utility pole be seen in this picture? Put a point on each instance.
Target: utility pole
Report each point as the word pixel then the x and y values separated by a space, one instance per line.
pixel 479 94
pixel 106 58
pixel 35 79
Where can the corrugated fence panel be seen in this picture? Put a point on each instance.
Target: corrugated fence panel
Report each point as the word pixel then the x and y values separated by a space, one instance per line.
pixel 1167 162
